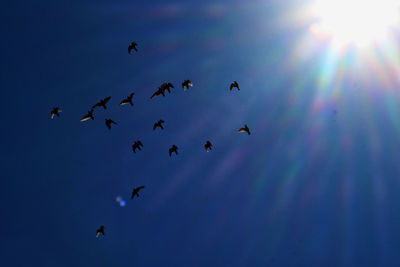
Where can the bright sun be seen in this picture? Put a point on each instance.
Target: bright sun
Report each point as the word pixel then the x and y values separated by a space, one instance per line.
pixel 358 22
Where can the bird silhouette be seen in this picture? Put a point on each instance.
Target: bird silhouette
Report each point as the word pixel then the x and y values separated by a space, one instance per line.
pixel 158 92
pixel 208 146
pixel 88 116
pixel 233 85
pixel 166 87
pixel 136 190
pixel 127 100
pixel 186 84
pixel 133 46
pixel 137 145
pixel 100 231
pixel 55 111
pixel 158 124
pixel 109 122
pixel 174 148
pixel 244 129
pixel 102 103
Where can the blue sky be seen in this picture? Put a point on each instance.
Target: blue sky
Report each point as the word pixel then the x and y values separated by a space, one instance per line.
pixel 315 184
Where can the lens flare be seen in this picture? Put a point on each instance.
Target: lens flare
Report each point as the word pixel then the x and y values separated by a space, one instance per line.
pixel 358 22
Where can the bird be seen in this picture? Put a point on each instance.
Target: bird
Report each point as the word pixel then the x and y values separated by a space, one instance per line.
pixel 136 190
pixel 137 145
pixel 244 129
pixel 55 111
pixel 109 122
pixel 100 231
pixel 208 146
pixel 102 103
pixel 174 148
pixel 158 92
pixel 186 84
pixel 133 46
pixel 233 85
pixel 158 124
pixel 166 86
pixel 88 116
pixel 127 100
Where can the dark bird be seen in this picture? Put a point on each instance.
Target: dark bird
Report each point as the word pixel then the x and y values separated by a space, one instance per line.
pixel 233 85
pixel 208 146
pixel 158 124
pixel 186 84
pixel 244 129
pixel 158 92
pixel 55 111
pixel 137 145
pixel 88 116
pixel 133 46
pixel 100 231
pixel 136 190
pixel 102 103
pixel 166 87
pixel 127 100
pixel 109 122
pixel 174 148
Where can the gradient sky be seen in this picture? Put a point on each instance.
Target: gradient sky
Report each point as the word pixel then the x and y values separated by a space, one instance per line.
pixel 316 184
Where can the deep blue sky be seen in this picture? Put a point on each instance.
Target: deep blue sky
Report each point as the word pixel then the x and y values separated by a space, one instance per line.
pixel 308 188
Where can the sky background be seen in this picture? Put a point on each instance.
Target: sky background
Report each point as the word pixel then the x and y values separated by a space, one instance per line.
pixel 315 184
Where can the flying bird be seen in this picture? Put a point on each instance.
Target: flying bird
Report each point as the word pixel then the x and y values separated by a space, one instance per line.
pixel 233 85
pixel 186 84
pixel 55 111
pixel 136 190
pixel 158 124
pixel 109 122
pixel 208 146
pixel 102 103
pixel 88 116
pixel 174 148
pixel 166 86
pixel 133 46
pixel 244 129
pixel 127 100
pixel 100 231
pixel 158 92
pixel 137 145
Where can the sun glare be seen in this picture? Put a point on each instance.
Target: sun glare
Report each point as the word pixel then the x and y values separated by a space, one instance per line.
pixel 358 22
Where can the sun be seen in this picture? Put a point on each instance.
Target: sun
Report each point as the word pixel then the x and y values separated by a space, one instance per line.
pixel 358 22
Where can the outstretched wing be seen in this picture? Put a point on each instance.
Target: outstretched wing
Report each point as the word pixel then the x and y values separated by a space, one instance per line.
pixel 154 126
pixel 123 102
pixel 52 114
pixel 97 105
pixel 85 118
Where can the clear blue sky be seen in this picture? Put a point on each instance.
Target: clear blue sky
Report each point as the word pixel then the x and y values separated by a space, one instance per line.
pixel 315 184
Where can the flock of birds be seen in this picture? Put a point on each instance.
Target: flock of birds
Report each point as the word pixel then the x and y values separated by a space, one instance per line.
pixel 137 145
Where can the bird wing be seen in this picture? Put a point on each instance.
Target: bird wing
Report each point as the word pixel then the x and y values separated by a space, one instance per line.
pixel 161 121
pixel 123 102
pixel 52 114
pixel 154 126
pixel 241 130
pixel 154 95
pixel 97 105
pixel 105 100
pixel 114 122
pixel 131 95
pixel 130 47
pixel 140 143
pixel 231 87
pixel 170 85
pixel 140 188
pixel 85 118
